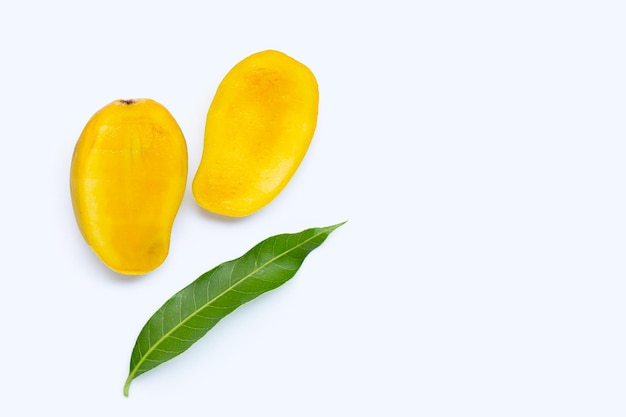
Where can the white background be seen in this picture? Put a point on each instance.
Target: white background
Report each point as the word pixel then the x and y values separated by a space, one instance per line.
pixel 476 148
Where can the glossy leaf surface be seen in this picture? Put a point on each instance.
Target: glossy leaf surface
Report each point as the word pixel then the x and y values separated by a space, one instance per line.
pixel 193 311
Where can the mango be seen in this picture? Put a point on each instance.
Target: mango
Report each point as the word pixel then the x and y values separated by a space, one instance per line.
pixel 128 176
pixel 258 130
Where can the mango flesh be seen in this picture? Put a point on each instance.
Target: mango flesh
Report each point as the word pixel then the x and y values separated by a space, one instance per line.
pixel 258 129
pixel 127 180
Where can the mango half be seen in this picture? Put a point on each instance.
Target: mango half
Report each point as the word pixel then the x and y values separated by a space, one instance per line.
pixel 258 129
pixel 127 180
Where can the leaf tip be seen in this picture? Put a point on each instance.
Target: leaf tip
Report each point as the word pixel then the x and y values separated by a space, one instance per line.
pixel 335 226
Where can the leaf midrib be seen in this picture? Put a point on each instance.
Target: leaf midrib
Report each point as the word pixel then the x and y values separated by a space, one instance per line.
pixel 205 305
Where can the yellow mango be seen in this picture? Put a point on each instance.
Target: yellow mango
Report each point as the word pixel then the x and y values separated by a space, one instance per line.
pixel 127 180
pixel 258 130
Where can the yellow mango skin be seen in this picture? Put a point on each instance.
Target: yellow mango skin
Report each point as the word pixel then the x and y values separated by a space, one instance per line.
pixel 258 129
pixel 127 180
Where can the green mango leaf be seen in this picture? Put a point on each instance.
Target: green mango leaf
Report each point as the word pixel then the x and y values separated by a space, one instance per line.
pixel 194 310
